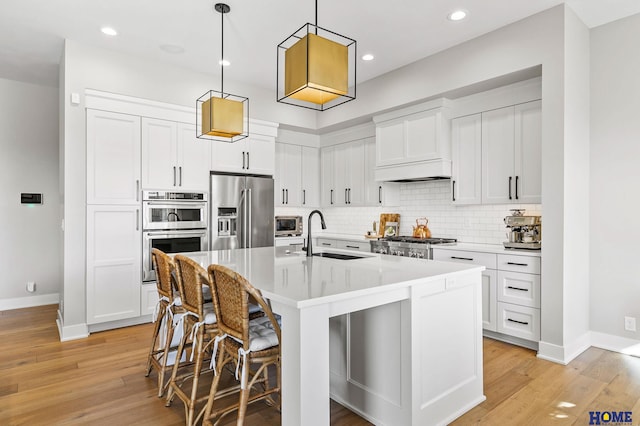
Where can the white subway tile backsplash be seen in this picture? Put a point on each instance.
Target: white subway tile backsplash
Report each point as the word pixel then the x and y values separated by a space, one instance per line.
pixel 473 224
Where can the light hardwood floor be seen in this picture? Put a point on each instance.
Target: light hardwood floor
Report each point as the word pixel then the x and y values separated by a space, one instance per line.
pixel 100 380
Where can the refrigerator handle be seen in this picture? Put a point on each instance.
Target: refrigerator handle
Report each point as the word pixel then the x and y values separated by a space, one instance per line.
pixel 242 216
pixel 248 221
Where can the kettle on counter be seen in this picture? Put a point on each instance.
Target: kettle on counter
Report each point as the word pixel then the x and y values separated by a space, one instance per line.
pixel 421 230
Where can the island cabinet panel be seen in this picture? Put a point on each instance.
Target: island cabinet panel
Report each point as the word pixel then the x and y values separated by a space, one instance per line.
pixel 397 364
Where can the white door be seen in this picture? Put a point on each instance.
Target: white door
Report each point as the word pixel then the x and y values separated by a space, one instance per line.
pixel 229 157
pixel 292 176
pixel 113 158
pixel 327 197
pixel 528 152
pixel 159 148
pixel 489 300
pixel 114 253
pixel 340 183
pixel 390 140
pixel 310 176
pixel 354 172
pixel 498 176
pixel 466 145
pixel 194 159
pixel 421 138
pixel 260 153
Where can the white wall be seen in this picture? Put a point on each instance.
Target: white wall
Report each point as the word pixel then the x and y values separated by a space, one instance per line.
pixel 615 176
pixel 29 247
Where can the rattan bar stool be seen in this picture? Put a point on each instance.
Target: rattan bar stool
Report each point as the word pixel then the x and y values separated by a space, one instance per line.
pixel 242 342
pixel 200 329
pixel 168 311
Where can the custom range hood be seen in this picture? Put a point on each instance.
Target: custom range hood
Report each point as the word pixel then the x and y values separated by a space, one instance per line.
pixel 413 143
pixel 414 172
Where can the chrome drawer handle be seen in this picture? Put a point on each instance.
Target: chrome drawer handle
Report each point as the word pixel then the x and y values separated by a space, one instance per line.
pixel 517 264
pixel 326 244
pixel 518 322
pixel 517 288
pixel 355 247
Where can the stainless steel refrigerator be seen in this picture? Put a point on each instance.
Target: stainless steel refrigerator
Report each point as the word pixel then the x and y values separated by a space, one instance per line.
pixel 241 211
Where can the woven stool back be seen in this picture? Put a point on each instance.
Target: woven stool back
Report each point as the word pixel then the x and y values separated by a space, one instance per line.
pixel 191 279
pixel 163 266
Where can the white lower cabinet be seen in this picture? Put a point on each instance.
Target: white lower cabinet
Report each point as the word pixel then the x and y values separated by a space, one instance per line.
pixel 148 298
pixel 326 242
pixel 114 263
pixel 510 290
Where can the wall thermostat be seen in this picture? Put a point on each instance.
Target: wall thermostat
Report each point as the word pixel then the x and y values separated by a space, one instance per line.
pixel 29 198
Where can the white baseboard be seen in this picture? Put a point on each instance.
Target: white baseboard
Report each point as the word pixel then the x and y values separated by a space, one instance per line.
pixel 564 354
pixel 614 343
pixel 29 301
pixel 71 332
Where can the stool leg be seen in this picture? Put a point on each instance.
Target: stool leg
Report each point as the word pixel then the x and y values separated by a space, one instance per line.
pixel 154 338
pixel 220 363
pixel 196 376
pixel 165 356
pixel 174 371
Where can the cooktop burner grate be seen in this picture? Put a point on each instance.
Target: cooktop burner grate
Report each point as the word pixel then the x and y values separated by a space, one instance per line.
pixel 408 239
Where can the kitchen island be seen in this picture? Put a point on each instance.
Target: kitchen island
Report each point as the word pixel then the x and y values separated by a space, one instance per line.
pixel 397 340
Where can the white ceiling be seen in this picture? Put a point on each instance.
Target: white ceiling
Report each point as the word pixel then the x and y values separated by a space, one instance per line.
pixel 397 33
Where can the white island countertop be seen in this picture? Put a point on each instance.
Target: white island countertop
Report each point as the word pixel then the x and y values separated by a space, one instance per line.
pixel 293 278
pixel 397 340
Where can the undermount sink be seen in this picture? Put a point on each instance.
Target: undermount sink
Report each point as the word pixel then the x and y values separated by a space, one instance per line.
pixel 340 256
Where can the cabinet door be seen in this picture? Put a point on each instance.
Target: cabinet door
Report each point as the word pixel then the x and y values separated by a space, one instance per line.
pixel 260 155
pixel 159 148
pixel 327 185
pixel 194 159
pixel 228 157
pixel 489 300
pixel 287 175
pixel 279 175
pixel 497 156
pixel 354 172
pixel 310 177
pixel 340 165
pixel 114 252
pixel 466 145
pixel 528 153
pixel 372 188
pixel 113 158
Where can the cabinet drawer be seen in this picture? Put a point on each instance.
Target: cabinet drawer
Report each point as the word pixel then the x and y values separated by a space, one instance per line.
pixel 487 260
pixel 519 288
pixel 284 242
pixel 510 262
pixel 519 321
pixel 148 298
pixel 326 242
pixel 354 245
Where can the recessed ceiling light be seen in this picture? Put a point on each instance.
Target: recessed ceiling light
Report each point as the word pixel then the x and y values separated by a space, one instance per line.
pixel 224 63
pixel 367 57
pixel 457 15
pixel 172 48
pixel 109 31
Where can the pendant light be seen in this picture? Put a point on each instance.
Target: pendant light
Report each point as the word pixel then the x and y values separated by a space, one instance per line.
pixel 316 68
pixel 222 116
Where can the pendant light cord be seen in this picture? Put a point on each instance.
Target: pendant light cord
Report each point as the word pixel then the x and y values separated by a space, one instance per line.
pixel 316 17
pixel 222 51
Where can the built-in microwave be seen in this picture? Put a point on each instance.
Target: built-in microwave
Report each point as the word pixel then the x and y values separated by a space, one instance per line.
pixel 287 226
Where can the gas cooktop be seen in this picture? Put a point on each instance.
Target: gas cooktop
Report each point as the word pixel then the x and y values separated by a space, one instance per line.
pixel 408 239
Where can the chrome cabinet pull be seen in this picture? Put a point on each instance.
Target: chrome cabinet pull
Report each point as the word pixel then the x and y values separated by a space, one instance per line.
pixel 283 196
pixel 517 288
pixel 137 219
pixel 517 264
pixel 353 247
pixel 304 196
pixel 247 160
pixel 331 197
pixel 379 194
pixel 345 196
pixel 137 190
pixel 287 192
pixel 243 163
pixel 517 322
pixel 510 188
pixel 453 190
pixel 174 175
pixel 180 174
pixel 516 187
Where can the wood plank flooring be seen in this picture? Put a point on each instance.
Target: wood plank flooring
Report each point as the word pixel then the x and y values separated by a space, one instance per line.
pixel 100 380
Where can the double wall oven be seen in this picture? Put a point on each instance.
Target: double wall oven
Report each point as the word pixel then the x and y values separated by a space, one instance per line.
pixel 173 222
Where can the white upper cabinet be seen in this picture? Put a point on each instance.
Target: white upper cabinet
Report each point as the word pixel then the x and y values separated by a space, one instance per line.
pixel 297 176
pixel 113 158
pixel 172 156
pixel 252 155
pixel 327 186
pixel 310 176
pixel 511 159
pixel 466 156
